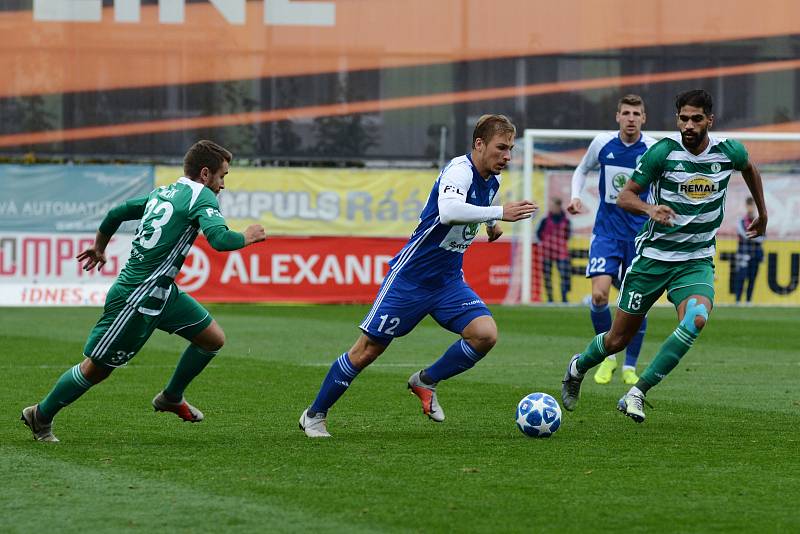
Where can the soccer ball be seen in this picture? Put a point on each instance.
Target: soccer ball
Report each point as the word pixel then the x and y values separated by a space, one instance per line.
pixel 538 415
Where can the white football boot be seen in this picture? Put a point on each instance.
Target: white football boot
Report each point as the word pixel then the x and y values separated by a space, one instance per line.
pixel 632 405
pixel 314 427
pixel 41 431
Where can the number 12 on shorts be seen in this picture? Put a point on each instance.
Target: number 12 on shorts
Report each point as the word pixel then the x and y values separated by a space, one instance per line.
pixel 393 322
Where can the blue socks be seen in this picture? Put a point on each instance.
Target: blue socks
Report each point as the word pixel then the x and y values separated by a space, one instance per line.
pixel 601 318
pixel 336 382
pixel 635 346
pixel 457 359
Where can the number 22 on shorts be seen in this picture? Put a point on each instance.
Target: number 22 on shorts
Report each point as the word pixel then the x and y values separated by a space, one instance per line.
pixel 597 265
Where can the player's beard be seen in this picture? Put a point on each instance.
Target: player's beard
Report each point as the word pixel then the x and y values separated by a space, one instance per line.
pixel 696 138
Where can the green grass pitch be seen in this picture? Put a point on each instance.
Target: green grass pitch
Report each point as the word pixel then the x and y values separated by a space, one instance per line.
pixel 719 452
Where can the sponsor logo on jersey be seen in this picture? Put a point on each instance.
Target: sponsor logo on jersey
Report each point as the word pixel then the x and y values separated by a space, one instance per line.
pixel 618 181
pixel 614 179
pixel 470 231
pixel 698 187
pixel 453 246
pixel 459 238
pixel 452 189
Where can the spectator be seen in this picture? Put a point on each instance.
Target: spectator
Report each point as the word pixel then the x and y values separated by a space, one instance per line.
pixel 554 231
pixel 749 255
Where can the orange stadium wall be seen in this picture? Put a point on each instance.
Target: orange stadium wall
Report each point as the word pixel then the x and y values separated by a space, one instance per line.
pixel 354 80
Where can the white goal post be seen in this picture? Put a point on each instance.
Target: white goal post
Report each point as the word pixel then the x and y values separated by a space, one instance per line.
pixel 532 136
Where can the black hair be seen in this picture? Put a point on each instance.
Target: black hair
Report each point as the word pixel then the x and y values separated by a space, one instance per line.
pixel 698 98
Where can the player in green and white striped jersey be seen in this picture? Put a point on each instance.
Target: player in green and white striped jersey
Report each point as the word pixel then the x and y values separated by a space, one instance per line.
pixel 688 176
pixel 144 296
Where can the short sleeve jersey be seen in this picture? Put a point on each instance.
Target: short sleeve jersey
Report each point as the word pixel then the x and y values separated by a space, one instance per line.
pixel 173 216
pixel 617 162
pixel 434 254
pixel 694 186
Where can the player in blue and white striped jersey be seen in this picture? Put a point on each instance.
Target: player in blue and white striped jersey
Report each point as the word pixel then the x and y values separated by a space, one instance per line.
pixel 612 246
pixel 425 277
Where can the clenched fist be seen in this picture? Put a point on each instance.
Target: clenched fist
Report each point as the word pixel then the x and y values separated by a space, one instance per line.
pixel 254 233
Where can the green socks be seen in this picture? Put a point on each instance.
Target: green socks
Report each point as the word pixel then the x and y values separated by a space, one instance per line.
pixel 667 358
pixel 594 353
pixel 69 387
pixel 72 384
pixel 192 362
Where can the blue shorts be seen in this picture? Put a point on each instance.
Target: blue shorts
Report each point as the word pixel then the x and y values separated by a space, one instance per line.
pixel 401 305
pixel 609 256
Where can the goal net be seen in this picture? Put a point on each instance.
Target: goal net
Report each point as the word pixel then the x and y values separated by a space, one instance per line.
pixel 549 158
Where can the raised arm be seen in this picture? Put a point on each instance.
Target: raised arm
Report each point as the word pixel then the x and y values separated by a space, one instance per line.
pixel 454 185
pixel 219 236
pixel 454 208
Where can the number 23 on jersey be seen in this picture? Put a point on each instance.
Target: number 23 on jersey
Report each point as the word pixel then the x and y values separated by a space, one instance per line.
pixel 156 216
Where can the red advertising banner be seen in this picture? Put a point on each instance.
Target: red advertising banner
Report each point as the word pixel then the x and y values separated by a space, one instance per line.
pixel 323 269
pixel 41 270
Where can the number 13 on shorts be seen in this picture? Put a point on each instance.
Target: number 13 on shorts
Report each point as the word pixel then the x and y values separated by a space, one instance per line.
pixel 634 300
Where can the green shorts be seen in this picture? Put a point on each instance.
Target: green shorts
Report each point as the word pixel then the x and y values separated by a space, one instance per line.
pixel 647 280
pixel 123 330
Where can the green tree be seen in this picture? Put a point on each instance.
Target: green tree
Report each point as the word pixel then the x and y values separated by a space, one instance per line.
pixel 344 136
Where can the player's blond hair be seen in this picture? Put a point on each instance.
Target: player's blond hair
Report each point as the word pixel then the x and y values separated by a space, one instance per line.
pixel 490 125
